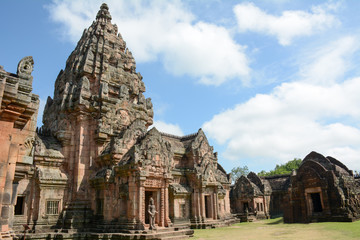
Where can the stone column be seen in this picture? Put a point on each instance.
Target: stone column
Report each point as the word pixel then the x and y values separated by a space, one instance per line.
pixel 132 206
pixel 4 162
pixel 162 206
pixel 265 207
pixel 79 164
pixel 216 212
pixel 142 202
pixel 198 201
pixel 167 218
pixel 194 208
pixel 8 188
pixel 202 203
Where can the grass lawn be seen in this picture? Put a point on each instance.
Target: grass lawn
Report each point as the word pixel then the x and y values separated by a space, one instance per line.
pixel 276 229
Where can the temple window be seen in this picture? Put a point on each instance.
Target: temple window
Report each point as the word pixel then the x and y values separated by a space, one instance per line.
pixel 52 207
pixel 19 207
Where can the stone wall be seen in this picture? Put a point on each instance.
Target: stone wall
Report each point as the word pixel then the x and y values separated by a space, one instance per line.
pixel 18 113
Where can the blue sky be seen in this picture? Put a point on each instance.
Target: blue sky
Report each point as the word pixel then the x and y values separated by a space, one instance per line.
pixel 268 81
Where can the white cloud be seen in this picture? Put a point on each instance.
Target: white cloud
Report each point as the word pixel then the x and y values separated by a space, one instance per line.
pixel 297 117
pixel 289 25
pixel 168 128
pixel 331 62
pixel 165 31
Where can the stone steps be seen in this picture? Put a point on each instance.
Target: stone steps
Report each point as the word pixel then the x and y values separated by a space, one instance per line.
pixel 160 234
pixel 5 235
pixel 210 223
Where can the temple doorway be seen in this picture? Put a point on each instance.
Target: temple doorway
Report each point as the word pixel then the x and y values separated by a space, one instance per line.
pixel 245 206
pixel 316 202
pixel 154 195
pixel 208 207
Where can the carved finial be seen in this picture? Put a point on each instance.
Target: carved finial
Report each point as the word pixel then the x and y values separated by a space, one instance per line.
pixel 25 67
pixel 103 12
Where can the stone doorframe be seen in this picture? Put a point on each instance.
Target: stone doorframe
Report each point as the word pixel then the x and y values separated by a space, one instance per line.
pixel 308 199
pixel 160 186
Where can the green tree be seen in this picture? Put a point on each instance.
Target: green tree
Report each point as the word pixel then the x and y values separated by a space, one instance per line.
pixel 285 168
pixel 237 172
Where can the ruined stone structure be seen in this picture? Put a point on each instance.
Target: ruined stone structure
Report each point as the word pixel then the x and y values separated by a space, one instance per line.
pixel 253 197
pixel 18 115
pixel 95 166
pixel 322 189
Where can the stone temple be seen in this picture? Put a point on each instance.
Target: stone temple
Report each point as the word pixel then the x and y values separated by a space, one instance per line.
pixel 95 171
pixel 93 166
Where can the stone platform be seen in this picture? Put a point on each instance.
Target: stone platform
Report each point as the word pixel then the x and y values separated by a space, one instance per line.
pixel 159 234
pixel 214 223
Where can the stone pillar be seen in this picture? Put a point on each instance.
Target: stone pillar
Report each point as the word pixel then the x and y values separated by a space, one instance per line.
pixel 79 163
pixel 167 218
pixel 4 163
pixel 198 201
pixel 194 208
pixel 162 204
pixel 142 202
pixel 265 207
pixel 254 204
pixel 7 208
pixel 216 211
pixel 131 213
pixel 202 203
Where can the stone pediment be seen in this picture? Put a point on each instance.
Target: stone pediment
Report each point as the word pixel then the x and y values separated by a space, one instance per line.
pixel 50 176
pixel 48 147
pixel 179 189
pixel 152 154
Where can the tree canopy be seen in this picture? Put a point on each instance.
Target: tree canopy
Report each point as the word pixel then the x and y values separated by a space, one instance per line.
pixel 237 172
pixel 285 168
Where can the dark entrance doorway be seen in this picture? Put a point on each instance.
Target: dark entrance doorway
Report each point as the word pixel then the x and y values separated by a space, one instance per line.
pixel 207 207
pixel 316 202
pixel 19 207
pixel 245 206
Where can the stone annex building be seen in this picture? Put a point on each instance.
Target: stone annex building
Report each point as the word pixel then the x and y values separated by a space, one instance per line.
pixel 322 189
pixel 94 171
pixel 93 166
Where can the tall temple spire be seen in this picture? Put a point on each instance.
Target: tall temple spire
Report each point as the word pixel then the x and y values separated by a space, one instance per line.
pixel 103 12
pixel 100 79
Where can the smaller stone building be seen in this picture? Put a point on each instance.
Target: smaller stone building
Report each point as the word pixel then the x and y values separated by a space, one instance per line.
pixel 259 197
pixel 322 189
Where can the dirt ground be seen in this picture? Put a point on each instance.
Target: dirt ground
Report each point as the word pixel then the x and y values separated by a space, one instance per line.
pixel 276 229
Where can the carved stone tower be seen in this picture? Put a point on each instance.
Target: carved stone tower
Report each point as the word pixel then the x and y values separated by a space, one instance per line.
pixel 97 97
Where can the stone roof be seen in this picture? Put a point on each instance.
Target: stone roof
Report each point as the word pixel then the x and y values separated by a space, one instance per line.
pixel 179 188
pixel 47 146
pixel 179 144
pixel 328 163
pixel 278 182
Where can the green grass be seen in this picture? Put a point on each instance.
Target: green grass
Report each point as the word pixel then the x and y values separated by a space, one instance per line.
pixel 276 229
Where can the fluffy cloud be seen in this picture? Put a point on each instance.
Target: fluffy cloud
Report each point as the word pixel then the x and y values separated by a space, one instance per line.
pixel 297 117
pixel 289 25
pixel 329 64
pixel 168 128
pixel 165 31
